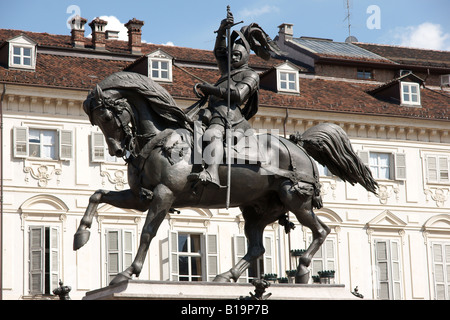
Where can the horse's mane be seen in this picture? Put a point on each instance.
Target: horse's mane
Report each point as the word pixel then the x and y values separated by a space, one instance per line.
pixel 157 97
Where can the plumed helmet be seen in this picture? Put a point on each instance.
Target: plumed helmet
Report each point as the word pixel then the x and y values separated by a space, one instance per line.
pixel 242 46
pixel 245 54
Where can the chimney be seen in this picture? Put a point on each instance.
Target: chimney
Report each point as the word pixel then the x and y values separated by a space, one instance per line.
pixel 286 31
pixel 112 35
pixel 98 33
pixel 77 32
pixel 134 35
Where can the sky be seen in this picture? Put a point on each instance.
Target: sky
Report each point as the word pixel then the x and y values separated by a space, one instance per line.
pixel 410 23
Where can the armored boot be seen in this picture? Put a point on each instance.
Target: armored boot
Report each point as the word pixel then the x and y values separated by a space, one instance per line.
pixel 210 174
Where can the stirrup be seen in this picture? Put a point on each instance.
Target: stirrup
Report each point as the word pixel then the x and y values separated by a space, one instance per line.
pixel 205 177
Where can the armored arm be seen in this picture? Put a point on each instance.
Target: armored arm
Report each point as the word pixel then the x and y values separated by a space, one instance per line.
pixel 240 91
pixel 220 47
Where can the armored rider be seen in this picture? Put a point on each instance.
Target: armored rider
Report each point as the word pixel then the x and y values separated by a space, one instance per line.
pixel 244 86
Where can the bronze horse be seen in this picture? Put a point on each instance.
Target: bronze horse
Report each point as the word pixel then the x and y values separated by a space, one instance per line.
pixel 140 120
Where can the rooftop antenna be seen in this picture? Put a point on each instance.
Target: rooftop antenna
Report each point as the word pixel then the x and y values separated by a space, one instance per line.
pixel 350 38
pixel 348 18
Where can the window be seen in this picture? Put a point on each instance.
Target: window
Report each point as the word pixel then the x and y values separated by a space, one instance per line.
pixel 380 165
pixel 410 93
pixel 364 74
pixel 287 81
pixel 387 258
pixel 42 143
pixel 120 251
pixel 43 259
pixel 325 257
pixel 437 169
pixel 21 56
pixel 160 70
pixel 287 78
pixel 384 165
pixel 99 149
pixel 441 269
pixel 194 257
pixel 21 52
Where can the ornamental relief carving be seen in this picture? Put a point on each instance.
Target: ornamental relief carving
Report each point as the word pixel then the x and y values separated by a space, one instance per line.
pixel 116 176
pixel 43 173
pixel 439 195
pixel 387 191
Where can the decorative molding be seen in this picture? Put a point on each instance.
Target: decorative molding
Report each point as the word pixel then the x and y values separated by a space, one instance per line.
pixel 386 191
pixel 439 195
pixel 116 177
pixel 42 172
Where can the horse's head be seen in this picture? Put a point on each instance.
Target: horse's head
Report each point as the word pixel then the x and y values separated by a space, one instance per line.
pixel 113 115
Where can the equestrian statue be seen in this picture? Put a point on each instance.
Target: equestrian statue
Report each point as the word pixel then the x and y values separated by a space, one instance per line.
pixel 159 141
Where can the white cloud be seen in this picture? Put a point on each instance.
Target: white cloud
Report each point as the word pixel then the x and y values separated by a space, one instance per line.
pixel 426 36
pixel 252 13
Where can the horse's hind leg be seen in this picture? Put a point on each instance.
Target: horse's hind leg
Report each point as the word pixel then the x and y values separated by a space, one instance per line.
pixel 301 206
pixel 254 230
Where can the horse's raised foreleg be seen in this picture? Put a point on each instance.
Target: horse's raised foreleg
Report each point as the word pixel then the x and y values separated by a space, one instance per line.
pixel 123 199
pixel 162 201
pixel 301 206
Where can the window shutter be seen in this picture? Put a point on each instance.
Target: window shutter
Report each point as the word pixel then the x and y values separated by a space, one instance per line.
pixel 240 248
pixel 382 263
pixel 54 258
pixel 173 255
pixel 65 144
pixel 127 240
pixel 364 156
pixel 441 270
pixel 443 169
pixel 20 136
pixel 113 257
pixel 395 263
pixel 432 172
pixel 387 259
pixel 97 147
pixel 268 255
pixel 400 166
pixel 36 253
pixel 212 267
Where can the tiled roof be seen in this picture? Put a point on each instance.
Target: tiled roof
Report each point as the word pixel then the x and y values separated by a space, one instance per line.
pixel 410 56
pixel 83 72
pixel 352 97
pixel 342 50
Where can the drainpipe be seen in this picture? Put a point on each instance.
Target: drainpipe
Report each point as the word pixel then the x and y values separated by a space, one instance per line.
pixel 1 191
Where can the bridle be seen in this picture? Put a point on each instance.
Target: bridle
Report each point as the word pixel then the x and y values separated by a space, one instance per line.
pixel 117 107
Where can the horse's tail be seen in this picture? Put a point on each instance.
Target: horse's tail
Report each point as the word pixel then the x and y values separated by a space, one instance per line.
pixel 329 145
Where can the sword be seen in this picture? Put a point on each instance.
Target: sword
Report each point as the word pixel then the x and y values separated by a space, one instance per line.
pixel 228 131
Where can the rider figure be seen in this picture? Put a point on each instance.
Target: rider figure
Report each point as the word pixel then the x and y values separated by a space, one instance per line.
pixel 244 85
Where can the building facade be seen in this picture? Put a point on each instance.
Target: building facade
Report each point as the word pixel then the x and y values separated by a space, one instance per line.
pixel 393 103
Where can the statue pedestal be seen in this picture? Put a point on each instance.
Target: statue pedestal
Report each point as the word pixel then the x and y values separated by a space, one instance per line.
pixel 171 290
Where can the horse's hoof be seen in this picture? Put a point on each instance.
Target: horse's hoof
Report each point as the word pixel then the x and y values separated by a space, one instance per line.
pixel 120 278
pixel 221 278
pixel 302 278
pixel 80 238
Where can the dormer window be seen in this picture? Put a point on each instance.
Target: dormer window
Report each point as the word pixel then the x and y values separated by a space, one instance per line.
pixel 160 70
pixel 22 53
pixel 160 66
pixel 287 78
pixel 410 93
